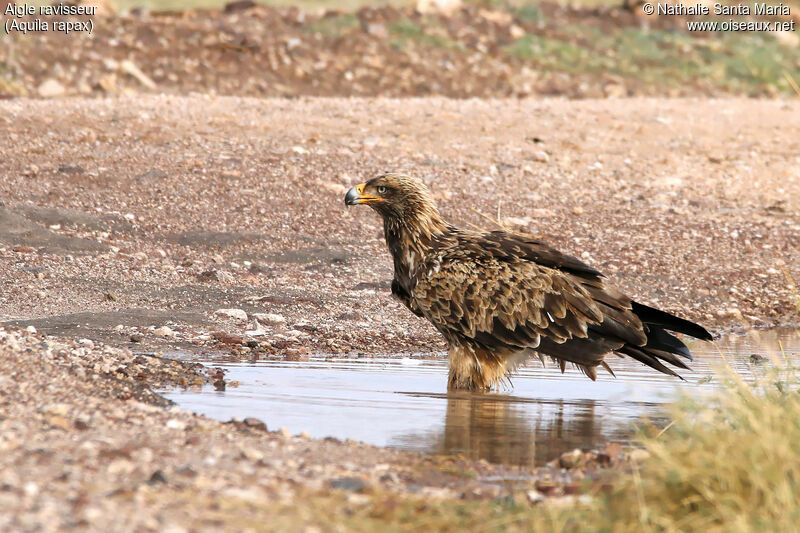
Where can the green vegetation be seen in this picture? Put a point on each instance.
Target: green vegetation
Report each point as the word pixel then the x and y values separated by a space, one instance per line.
pixel 9 84
pixel 749 63
pixel 528 13
pixel 429 33
pixel 334 25
pixel 730 462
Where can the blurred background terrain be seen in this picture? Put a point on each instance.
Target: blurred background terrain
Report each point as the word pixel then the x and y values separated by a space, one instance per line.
pixel 587 49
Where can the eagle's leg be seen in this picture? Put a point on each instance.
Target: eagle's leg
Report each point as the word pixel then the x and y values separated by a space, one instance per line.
pixel 471 369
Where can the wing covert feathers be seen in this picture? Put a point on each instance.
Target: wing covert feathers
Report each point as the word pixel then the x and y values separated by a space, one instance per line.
pixel 495 294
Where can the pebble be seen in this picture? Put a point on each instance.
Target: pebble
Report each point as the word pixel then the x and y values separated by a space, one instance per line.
pixel 255 423
pixel 174 423
pixel 534 496
pixel 236 314
pixel 251 454
pixel 352 484
pixel 50 88
pixel 540 157
pixel 164 331
pixel 269 318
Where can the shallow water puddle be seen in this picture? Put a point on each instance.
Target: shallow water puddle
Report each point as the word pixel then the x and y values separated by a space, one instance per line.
pixel 403 402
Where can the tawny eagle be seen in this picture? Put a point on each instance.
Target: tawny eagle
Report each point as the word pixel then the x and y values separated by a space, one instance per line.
pixel 499 297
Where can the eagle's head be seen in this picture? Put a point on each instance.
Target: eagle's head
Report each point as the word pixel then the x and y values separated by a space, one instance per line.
pixel 397 198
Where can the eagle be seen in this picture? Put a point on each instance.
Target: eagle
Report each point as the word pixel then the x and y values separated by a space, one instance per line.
pixel 499 297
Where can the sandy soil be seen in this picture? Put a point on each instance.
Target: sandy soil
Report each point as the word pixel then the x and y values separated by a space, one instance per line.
pixel 131 221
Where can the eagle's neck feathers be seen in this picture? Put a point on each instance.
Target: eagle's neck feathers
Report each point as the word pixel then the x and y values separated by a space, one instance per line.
pixel 410 239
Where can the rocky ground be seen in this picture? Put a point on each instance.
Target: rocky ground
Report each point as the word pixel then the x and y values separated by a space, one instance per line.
pixel 84 443
pixel 133 226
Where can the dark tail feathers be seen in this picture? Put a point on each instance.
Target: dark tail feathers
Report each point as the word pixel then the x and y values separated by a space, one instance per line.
pixel 656 317
pixel 661 345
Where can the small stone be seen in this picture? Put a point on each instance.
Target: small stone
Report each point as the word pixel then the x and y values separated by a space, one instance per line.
pixel 251 454
pixel 56 409
pixel 50 88
pixel 31 330
pixel 357 499
pixel 255 423
pixel 516 32
pixel 352 484
pixel 236 314
pixel 174 423
pixel 136 337
pixel 283 432
pixel 269 318
pixel 226 338
pixel 57 421
pixel 534 496
pixel 81 423
pixel 540 156
pixel 157 477
pixel 164 331
pixel 208 275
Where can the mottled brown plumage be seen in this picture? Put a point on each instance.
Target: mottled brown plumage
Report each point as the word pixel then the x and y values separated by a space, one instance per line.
pixel 499 297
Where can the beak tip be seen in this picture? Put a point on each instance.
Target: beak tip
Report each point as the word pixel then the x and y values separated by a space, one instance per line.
pixel 351 198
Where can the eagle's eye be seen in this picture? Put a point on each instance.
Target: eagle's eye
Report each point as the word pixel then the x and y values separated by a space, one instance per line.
pixel 381 189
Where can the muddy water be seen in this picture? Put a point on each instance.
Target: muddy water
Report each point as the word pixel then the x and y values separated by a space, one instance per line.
pixel 403 402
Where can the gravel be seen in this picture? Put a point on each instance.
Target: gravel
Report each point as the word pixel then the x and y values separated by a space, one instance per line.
pixel 86 445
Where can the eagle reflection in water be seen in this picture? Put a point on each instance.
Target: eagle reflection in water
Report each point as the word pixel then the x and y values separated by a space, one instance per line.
pixel 509 430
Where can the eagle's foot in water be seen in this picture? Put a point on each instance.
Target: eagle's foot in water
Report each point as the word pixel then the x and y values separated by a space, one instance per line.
pixel 468 373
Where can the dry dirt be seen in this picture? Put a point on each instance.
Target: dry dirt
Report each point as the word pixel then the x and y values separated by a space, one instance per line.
pixel 131 221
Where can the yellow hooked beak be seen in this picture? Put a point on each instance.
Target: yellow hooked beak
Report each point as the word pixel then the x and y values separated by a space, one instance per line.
pixel 356 196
